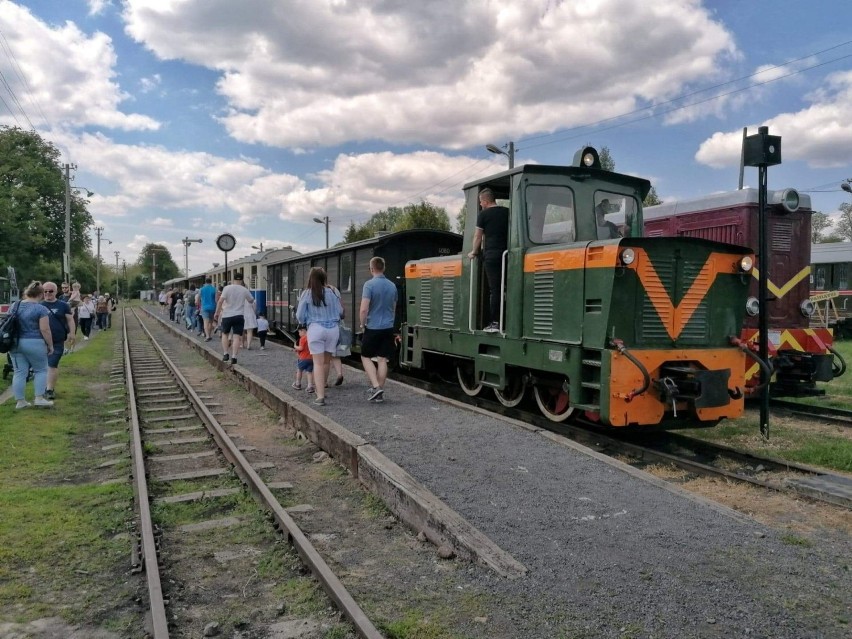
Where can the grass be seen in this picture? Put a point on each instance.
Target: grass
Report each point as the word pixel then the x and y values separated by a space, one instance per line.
pixel 414 625
pixel 62 533
pixel 786 440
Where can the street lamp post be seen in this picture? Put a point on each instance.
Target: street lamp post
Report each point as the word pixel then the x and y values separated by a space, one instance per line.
pixel 99 230
pixel 323 220
pixel 509 152
pixel 186 243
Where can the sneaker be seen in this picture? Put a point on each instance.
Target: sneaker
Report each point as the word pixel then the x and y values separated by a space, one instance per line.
pixel 85 338
pixel 263 348
pixel 296 385
pixel 226 357
pixel 208 339
pixel 233 361
pixel 50 394
pixel 493 327
pixel 22 404
pixel 310 389
pixel 339 380
pixel 41 402
pixel 376 395
pixel 319 401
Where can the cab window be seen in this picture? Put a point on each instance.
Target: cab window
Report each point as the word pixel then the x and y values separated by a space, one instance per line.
pixel 550 214
pixel 614 215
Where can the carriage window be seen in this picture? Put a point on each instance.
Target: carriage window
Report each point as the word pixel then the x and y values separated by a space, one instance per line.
pixel 614 215
pixel 550 214
pixel 820 278
pixel 842 277
pixel 345 273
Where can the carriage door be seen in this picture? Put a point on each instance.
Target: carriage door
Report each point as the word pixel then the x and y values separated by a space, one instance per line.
pixel 298 281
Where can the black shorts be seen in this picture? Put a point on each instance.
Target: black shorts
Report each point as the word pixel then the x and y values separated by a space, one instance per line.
pixel 378 343
pixel 234 324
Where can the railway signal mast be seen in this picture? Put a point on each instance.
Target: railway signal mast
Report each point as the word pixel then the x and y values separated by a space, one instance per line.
pixel 763 150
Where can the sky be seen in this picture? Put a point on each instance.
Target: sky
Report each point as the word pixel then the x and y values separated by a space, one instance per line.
pixel 192 118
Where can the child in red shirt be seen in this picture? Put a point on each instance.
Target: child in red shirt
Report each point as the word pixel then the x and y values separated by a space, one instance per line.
pixel 304 363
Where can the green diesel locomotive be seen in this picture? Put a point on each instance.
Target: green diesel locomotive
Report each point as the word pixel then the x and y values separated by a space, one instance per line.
pixel 595 319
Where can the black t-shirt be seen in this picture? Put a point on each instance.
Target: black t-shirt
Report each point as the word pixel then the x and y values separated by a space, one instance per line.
pixel 494 222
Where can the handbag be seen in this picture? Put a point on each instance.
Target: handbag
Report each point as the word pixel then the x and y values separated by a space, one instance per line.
pixel 9 330
pixel 344 342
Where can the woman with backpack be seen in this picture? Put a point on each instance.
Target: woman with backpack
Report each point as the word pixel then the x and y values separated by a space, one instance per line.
pixel 34 345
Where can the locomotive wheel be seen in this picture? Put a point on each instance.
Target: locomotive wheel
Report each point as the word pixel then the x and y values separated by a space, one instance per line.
pixel 553 403
pixel 467 379
pixel 512 395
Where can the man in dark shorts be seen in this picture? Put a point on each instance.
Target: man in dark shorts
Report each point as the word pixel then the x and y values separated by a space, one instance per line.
pixel 61 322
pixel 492 224
pixel 230 309
pixel 377 313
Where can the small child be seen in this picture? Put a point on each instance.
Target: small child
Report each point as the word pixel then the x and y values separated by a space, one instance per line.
pixel 179 311
pixel 262 330
pixel 305 362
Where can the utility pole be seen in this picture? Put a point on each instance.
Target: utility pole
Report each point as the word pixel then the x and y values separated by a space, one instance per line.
pixel 99 230
pixel 116 274
pixel 66 257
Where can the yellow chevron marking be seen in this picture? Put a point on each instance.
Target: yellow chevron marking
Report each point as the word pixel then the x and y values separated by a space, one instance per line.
pixel 781 292
pixel 752 371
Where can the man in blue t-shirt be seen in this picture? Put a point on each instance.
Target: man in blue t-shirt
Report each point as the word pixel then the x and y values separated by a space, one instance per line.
pixel 61 322
pixel 208 307
pixel 377 313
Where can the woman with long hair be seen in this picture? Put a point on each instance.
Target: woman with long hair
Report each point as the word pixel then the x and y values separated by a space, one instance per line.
pixel 34 344
pixel 320 309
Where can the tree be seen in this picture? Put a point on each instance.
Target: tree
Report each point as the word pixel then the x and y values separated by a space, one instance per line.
pixel 32 207
pixel 843 227
pixel 460 218
pixel 652 199
pixel 820 223
pixel 166 267
pixel 392 219
pixel 607 163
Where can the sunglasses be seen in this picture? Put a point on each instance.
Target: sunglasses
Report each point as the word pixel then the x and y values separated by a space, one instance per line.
pixel 50 290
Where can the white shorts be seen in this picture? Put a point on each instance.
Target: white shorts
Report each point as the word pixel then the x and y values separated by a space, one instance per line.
pixel 322 340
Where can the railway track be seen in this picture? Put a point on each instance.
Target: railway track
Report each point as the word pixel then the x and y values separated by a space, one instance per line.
pixel 178 441
pixel 681 451
pixel 825 413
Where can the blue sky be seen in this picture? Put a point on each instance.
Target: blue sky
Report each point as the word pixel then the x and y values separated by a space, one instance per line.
pixel 190 118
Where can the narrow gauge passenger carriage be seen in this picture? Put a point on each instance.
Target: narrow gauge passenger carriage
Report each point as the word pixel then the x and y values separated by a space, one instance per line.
pixel 800 355
pixel 831 268
pixel 348 267
pixel 627 331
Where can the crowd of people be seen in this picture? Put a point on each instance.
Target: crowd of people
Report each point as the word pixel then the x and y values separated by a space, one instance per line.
pixel 231 312
pixel 48 317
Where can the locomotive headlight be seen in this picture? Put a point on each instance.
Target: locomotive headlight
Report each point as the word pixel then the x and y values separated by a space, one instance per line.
pixel 746 263
pixel 752 306
pixel 807 308
pixel 628 256
pixel 788 199
pixel 588 159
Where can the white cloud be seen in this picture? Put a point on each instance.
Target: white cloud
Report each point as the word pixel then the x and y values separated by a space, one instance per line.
pixel 193 190
pixel 62 75
pixel 149 84
pixel 820 134
pixel 446 73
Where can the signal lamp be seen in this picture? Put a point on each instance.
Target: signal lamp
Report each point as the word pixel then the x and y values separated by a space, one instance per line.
pixel 752 306
pixel 587 157
pixel 746 263
pixel 807 307
pixel 628 256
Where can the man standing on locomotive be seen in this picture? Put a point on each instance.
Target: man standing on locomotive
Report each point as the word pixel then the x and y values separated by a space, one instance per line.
pixel 377 313
pixel 492 223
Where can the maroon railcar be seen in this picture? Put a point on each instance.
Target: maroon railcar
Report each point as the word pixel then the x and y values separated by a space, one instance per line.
pixel 801 355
